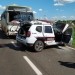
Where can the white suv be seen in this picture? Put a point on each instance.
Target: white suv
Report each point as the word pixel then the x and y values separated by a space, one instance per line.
pixel 37 34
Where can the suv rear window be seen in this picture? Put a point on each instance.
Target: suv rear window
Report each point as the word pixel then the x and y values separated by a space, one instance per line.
pixel 39 28
pixel 48 29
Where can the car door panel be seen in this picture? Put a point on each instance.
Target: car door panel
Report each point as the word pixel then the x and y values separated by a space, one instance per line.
pixel 49 35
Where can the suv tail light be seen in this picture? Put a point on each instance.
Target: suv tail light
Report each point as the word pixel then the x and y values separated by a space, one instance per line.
pixel 28 34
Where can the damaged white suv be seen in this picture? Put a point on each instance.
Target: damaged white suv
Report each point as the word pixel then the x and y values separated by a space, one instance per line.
pixel 38 34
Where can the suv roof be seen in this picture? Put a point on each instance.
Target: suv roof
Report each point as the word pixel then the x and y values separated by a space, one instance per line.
pixel 36 22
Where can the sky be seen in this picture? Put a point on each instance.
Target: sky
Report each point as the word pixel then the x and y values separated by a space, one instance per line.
pixel 45 9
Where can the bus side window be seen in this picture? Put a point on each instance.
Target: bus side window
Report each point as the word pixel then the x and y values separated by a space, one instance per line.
pixel 4 15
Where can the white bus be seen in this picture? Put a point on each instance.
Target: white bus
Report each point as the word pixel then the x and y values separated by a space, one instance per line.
pixel 11 17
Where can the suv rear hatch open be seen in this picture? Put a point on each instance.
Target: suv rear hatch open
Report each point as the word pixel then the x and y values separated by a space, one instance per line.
pixel 23 31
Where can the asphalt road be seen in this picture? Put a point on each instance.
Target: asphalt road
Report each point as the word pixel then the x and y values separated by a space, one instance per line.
pixel 23 61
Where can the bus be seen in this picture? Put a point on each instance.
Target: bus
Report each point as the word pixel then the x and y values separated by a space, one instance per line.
pixel 12 16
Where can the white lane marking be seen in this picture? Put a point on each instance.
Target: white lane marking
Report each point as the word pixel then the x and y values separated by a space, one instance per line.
pixel 14 43
pixel 37 71
pixel 67 48
pixel 64 48
pixel 70 48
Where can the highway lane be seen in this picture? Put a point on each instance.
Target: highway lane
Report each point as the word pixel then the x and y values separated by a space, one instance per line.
pixel 55 61
pixel 11 60
pixel 51 61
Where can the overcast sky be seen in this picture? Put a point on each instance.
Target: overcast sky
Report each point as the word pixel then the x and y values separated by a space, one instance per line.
pixel 49 9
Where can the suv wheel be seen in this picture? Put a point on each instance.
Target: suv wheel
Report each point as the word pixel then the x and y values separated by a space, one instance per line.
pixel 38 46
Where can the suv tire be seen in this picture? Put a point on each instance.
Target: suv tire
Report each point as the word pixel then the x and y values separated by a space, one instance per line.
pixel 38 46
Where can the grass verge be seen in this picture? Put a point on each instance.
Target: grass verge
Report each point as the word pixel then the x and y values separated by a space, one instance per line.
pixel 73 43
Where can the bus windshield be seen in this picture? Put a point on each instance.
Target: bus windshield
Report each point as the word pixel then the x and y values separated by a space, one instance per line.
pixel 24 16
pixel 17 15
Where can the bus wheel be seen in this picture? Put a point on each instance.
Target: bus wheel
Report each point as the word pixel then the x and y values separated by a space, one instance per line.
pixel 38 46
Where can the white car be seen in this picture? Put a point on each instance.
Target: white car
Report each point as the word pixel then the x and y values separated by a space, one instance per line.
pixel 38 34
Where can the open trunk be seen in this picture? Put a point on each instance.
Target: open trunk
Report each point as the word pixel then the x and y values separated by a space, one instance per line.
pixel 23 31
pixel 63 33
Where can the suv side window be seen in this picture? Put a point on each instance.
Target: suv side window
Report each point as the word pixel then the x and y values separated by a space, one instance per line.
pixel 39 28
pixel 48 29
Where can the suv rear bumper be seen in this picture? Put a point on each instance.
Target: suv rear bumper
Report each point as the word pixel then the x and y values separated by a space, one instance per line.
pixel 23 41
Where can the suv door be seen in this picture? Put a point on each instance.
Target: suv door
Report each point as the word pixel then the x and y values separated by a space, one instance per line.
pixel 49 35
pixel 67 33
pixel 37 32
pixel 67 36
pixel 63 32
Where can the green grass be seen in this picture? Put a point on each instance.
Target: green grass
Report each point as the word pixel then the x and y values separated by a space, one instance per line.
pixel 73 43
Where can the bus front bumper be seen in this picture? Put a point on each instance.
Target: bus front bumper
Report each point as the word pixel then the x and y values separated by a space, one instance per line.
pixel 12 33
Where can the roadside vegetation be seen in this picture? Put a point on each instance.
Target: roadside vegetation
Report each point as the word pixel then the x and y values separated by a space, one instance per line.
pixel 73 43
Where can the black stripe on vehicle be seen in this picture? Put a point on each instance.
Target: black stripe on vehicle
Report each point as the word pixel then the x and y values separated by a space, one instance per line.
pixel 45 38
